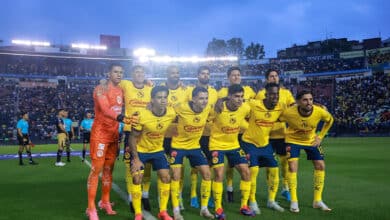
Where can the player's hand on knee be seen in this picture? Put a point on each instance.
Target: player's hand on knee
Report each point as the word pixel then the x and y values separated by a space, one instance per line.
pixel 136 166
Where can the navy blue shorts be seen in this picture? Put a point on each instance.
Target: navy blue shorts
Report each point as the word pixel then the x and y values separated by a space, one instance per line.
pixel 259 156
pixel 158 160
pixel 312 153
pixel 279 146
pixel 234 157
pixel 195 156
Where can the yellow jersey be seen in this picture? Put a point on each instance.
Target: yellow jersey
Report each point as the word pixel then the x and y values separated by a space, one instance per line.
pixel 190 126
pixel 213 97
pixel 178 95
pixel 135 99
pixel 302 129
pixel 226 127
pixel 261 122
pixel 153 129
pixel 286 98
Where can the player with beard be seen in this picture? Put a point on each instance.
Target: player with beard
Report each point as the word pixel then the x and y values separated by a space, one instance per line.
pixel 302 121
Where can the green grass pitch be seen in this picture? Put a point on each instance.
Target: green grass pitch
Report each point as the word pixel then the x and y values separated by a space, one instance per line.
pixel 357 186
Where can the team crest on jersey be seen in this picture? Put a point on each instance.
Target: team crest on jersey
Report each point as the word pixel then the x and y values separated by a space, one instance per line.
pixel 140 94
pixel 196 119
pixel 119 100
pixel 160 126
pixel 232 120
pixel 173 98
pixel 304 124
pixel 268 115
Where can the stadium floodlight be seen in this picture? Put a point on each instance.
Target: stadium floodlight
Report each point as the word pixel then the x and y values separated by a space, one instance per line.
pixel 193 59
pixel 31 43
pixel 87 46
pixel 144 52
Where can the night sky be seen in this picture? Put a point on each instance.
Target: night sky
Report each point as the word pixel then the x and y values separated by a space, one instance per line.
pixel 174 27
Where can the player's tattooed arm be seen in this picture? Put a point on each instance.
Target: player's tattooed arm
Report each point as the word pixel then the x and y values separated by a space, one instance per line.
pixel 136 164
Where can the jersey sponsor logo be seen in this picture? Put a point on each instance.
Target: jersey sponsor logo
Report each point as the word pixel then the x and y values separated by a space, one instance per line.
pixel 230 130
pixel 190 128
pixel 262 123
pixel 302 132
pixel 267 115
pixel 154 135
pixel 138 103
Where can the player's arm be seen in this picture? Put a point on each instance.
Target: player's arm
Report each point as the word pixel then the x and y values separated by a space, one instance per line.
pixel 136 164
pixel 328 122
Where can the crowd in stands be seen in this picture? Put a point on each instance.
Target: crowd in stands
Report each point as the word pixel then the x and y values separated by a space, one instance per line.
pixel 306 65
pixel 54 66
pixel 363 103
pixel 358 104
pixel 42 103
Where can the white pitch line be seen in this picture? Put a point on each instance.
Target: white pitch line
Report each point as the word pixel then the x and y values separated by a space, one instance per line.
pixel 146 214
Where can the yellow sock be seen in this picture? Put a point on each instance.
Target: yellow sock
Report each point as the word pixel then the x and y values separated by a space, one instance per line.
pixel 217 194
pixel 273 182
pixel 254 174
pixel 284 170
pixel 229 177
pixel 128 178
pixel 175 193
pixel 319 179
pixel 292 184
pixel 147 177
pixel 245 187
pixel 194 182
pixel 136 196
pixel 164 195
pixel 205 188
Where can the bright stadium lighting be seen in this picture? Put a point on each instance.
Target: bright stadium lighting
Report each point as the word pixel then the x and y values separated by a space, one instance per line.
pixel 31 43
pixel 87 46
pixel 144 52
pixel 193 59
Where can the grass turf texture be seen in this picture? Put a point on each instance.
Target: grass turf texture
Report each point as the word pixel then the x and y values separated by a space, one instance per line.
pixel 357 186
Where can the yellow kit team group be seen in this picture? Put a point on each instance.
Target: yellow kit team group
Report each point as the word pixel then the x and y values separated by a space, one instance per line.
pixel 170 122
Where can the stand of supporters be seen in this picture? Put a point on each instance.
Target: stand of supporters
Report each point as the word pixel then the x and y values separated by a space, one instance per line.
pixel 362 104
pixel 306 65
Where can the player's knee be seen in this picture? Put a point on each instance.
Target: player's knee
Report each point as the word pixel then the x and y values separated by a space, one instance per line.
pixel 137 179
pixel 245 174
pixel 165 178
pixel 176 175
pixel 206 174
pixel 319 165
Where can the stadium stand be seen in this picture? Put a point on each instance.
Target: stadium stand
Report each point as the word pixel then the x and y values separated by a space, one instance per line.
pixel 40 83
